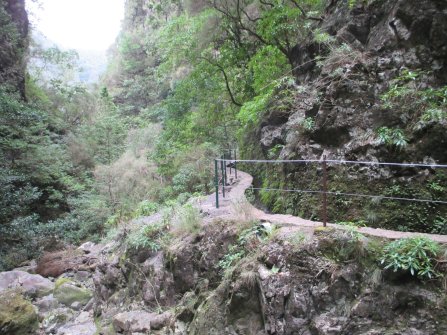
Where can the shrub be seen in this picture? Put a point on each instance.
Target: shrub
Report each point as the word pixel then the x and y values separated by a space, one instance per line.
pixel 308 124
pixel 146 208
pixel 235 253
pixel 417 255
pixel 392 137
pixel 186 219
pixel 248 241
pixel 147 237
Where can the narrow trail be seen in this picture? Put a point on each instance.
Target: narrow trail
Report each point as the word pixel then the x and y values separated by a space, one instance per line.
pixel 235 206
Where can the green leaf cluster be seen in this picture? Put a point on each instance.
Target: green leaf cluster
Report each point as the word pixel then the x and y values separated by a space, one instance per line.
pixel 418 255
pixel 392 137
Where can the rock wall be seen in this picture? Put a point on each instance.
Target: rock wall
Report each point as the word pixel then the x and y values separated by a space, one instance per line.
pixel 230 278
pixel 324 283
pixel 346 96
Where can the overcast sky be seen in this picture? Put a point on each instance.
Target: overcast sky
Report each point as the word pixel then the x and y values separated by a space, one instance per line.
pixel 78 24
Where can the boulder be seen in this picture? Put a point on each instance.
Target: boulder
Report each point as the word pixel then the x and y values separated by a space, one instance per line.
pixel 31 285
pixel 46 304
pixel 84 324
pixel 55 319
pixel 140 321
pixel 67 294
pixel 17 315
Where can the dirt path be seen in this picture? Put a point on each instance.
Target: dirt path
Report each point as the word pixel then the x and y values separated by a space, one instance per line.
pixel 235 205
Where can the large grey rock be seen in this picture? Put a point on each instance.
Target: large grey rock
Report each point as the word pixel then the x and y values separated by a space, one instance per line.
pixel 84 324
pixel 271 135
pixel 46 304
pixel 140 321
pixel 55 319
pixel 31 285
pixel 68 294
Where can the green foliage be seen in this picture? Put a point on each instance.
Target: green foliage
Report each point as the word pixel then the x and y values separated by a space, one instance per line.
pixel 186 219
pixel 34 171
pixel 252 110
pixel 88 213
pixel 275 151
pixel 283 21
pixel 107 134
pixel 53 64
pixel 146 237
pixel 246 239
pixel 323 37
pixel 427 107
pixel 392 137
pixel 190 168
pixel 235 253
pixel 417 255
pixel 178 39
pixel 13 44
pixel 439 226
pixel 146 208
pixel 267 65
pixel 308 124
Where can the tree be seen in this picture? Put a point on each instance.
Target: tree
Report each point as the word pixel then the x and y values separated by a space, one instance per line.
pixel 282 23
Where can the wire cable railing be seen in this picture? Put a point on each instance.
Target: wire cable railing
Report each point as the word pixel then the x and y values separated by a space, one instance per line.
pixel 231 162
pixel 335 162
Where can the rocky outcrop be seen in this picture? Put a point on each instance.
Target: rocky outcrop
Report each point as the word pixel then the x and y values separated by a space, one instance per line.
pixel 326 283
pixel 293 290
pixel 131 280
pixel 340 103
pixel 32 304
pixel 230 278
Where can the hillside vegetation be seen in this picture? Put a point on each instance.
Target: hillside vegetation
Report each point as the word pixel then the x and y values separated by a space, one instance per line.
pixel 186 80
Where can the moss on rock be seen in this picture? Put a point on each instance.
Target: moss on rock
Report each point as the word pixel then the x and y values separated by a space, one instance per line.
pixel 17 315
pixel 67 294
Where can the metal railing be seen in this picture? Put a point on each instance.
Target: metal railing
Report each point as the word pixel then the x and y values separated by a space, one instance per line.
pixel 229 160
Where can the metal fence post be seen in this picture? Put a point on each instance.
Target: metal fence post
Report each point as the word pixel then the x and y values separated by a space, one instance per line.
pixel 230 154
pixel 225 172
pixel 235 163
pixel 216 181
pixel 222 166
pixel 324 191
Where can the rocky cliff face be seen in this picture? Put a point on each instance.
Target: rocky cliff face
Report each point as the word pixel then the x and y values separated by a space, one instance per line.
pixel 13 44
pixel 229 278
pixel 365 94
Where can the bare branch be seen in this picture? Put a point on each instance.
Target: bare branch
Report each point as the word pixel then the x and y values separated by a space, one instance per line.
pixel 227 83
pixel 297 5
pixel 267 3
pixel 249 18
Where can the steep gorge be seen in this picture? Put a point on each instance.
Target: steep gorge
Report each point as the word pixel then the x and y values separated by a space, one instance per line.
pixel 177 267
